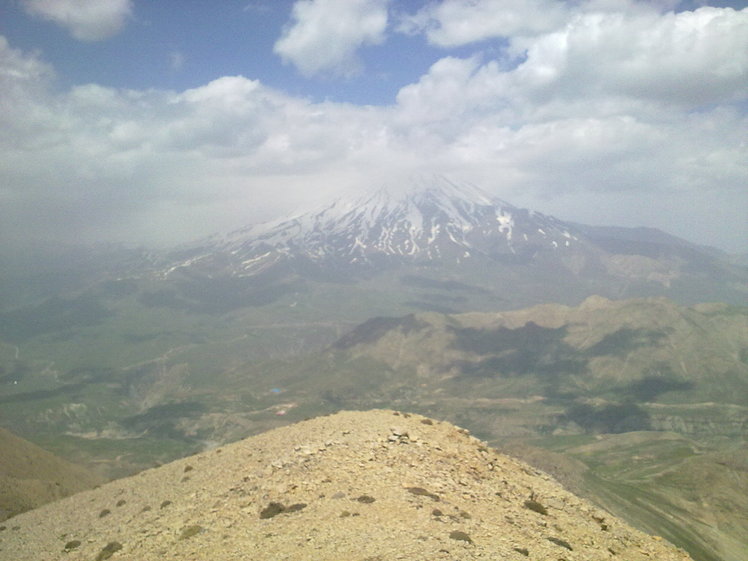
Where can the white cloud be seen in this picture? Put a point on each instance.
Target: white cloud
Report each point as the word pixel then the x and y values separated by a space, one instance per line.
pixel 24 81
pixel 86 20
pixel 452 23
pixel 101 163
pixel 597 64
pixel 459 22
pixel 20 73
pixel 688 58
pixel 326 34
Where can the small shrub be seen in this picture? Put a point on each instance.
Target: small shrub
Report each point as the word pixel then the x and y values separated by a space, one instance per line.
pixel 121 502
pixel 273 509
pixel 427 421
pixel 522 551
pixel 105 512
pixel 421 492
pixel 461 536
pixel 562 543
pixel 188 468
pixel 165 504
pixel 366 499
pixel 535 506
pixel 72 544
pixel 108 551
pixel 190 531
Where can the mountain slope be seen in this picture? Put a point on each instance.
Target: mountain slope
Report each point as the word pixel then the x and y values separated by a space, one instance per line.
pixel 31 476
pixel 364 485
pixel 692 492
pixel 652 345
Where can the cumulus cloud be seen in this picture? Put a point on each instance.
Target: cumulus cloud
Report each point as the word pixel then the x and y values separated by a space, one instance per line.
pixel 325 34
pixel 608 96
pixel 686 58
pixel 459 22
pixel 691 58
pixel 98 163
pixel 452 23
pixel 609 63
pixel 86 20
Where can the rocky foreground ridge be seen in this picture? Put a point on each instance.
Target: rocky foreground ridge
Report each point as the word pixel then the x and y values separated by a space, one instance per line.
pixel 352 486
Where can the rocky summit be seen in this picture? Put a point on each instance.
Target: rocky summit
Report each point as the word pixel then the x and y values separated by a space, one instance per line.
pixel 352 486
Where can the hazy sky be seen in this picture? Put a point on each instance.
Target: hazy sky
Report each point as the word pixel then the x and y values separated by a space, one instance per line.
pixel 163 121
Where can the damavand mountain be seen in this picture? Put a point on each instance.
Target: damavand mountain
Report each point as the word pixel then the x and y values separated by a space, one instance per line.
pixel 438 221
pixel 432 229
pixel 430 244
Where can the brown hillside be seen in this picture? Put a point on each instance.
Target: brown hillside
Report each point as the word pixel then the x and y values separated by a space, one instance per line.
pixel 646 348
pixel 31 476
pixel 352 486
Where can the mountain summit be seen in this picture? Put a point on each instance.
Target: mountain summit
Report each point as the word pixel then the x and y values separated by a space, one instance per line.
pixel 355 485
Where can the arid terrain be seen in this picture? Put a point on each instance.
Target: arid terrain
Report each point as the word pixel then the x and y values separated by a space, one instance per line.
pixel 31 476
pixel 355 485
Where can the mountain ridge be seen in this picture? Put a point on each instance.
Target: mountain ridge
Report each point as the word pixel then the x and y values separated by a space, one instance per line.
pixel 365 485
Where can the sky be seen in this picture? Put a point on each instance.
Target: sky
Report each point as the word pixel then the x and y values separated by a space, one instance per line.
pixel 155 123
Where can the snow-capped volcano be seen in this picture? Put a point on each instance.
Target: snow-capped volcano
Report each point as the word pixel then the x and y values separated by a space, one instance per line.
pixel 435 229
pixel 425 220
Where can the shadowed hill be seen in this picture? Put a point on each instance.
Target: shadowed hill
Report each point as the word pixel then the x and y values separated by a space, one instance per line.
pixel 355 485
pixel 31 476
pixel 639 351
